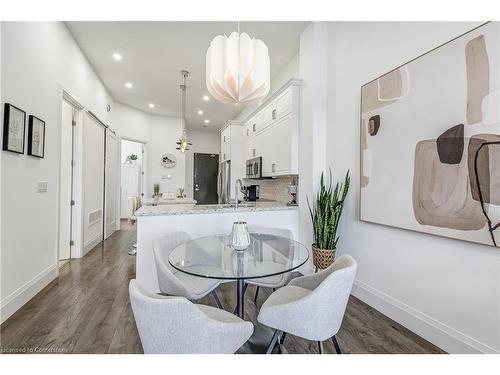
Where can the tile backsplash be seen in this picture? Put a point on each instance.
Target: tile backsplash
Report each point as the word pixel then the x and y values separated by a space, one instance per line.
pixel 275 189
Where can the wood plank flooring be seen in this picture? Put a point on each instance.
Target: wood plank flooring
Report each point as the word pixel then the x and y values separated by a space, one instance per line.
pixel 87 310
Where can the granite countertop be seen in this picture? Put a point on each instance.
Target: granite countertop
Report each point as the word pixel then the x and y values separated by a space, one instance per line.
pixel 190 209
pixel 152 201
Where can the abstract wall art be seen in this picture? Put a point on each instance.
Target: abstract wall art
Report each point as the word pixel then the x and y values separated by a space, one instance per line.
pixel 36 137
pixel 13 129
pixel 430 141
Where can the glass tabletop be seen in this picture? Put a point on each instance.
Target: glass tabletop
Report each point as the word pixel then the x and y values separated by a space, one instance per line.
pixel 214 257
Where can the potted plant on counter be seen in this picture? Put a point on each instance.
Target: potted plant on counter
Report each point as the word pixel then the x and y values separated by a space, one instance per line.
pixel 156 190
pixel 325 215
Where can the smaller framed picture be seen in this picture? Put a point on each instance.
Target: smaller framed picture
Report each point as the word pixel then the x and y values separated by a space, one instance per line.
pixel 14 121
pixel 36 137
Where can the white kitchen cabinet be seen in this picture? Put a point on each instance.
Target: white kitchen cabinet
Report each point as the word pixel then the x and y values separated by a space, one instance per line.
pixel 234 149
pixel 272 132
pixel 251 151
pixel 254 125
pixel 277 153
pixel 225 145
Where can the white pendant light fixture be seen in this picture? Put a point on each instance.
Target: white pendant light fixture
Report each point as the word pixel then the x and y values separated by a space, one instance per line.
pixel 238 68
pixel 183 142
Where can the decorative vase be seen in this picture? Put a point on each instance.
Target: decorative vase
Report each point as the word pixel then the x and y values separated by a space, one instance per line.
pixel 323 258
pixel 240 235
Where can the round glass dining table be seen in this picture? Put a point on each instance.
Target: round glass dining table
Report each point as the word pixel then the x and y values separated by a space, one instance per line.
pixel 267 256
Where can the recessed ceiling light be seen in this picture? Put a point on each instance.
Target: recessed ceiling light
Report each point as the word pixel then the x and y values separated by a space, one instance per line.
pixel 151 105
pixel 207 121
pixel 117 56
pixel 200 112
pixel 128 85
pixel 206 97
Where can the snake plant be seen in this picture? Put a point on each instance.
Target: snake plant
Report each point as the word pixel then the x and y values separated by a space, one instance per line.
pixel 325 214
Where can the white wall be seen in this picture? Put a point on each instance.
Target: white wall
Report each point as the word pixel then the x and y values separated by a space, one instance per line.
pixel 131 123
pixel 207 142
pixel 165 132
pixel 313 126
pixel 129 148
pixel 446 290
pixel 38 59
pixel 289 71
pixel 135 125
pixel 160 134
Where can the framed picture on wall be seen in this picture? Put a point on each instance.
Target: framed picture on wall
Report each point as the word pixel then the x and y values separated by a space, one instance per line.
pixel 438 114
pixel 13 129
pixel 36 137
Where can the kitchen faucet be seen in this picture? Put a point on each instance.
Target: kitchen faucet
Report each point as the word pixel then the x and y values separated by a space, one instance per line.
pixel 236 191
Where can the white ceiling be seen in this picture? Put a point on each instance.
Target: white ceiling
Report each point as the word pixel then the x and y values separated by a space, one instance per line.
pixel 154 53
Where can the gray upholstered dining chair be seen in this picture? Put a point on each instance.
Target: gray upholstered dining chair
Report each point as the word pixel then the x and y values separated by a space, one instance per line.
pixel 312 306
pixel 176 283
pixel 175 325
pixel 276 281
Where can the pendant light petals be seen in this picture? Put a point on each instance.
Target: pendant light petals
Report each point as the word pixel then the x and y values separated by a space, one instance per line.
pixel 237 68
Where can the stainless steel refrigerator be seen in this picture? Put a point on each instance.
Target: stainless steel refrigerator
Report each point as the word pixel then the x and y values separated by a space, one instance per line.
pixel 224 182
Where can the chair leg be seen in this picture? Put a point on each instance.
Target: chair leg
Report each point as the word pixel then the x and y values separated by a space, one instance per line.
pixel 273 342
pixel 320 347
pixel 282 338
pixel 336 345
pixel 256 294
pixel 217 300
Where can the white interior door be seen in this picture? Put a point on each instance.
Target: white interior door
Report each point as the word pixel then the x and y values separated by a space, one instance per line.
pixel 93 182
pixel 66 181
pixel 130 185
pixel 111 182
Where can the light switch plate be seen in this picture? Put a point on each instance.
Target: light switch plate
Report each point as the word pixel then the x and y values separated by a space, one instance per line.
pixel 41 186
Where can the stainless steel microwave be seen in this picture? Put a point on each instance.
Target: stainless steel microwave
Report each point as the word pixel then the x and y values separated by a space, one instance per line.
pixel 254 167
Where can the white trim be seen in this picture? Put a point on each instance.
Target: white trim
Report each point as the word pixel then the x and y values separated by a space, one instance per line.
pixel 13 302
pixel 274 95
pixel 438 333
pixel 89 245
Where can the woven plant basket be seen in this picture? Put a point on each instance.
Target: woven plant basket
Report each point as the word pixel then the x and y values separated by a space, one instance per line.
pixel 323 258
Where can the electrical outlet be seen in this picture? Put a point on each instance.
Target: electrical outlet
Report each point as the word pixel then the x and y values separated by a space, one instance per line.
pixel 41 186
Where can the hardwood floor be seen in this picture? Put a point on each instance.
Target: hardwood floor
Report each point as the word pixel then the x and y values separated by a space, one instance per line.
pixel 87 310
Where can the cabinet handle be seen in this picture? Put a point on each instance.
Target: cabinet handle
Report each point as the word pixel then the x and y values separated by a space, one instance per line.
pixel 274 167
pixel 253 152
pixel 274 114
pixel 254 127
pixel 224 138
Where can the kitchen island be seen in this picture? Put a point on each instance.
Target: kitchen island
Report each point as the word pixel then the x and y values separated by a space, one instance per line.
pixel 202 220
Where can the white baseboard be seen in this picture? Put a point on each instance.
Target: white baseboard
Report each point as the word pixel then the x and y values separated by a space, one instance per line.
pixel 14 301
pixel 91 244
pixel 436 332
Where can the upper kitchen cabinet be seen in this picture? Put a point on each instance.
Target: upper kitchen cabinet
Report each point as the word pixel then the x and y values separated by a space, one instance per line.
pixel 272 130
pixel 225 143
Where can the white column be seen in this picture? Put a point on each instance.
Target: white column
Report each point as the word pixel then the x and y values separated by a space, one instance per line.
pixel 313 61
